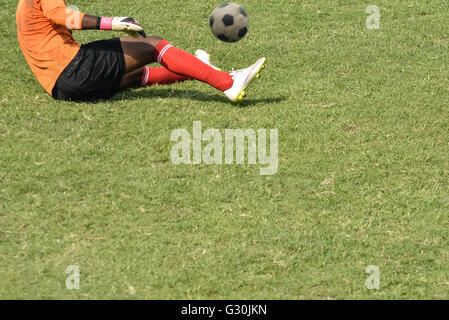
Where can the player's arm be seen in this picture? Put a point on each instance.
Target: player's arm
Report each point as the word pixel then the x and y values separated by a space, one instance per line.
pixel 57 12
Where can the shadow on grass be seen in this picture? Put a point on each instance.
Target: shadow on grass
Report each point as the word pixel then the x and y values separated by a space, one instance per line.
pixel 153 93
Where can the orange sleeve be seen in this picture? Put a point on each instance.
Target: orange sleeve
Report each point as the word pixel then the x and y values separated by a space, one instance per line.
pixel 58 14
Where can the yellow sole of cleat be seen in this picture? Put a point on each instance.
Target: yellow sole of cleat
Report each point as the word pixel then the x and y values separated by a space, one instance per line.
pixel 261 68
pixel 241 96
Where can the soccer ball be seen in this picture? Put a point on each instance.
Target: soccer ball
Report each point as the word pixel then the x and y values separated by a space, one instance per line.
pixel 229 22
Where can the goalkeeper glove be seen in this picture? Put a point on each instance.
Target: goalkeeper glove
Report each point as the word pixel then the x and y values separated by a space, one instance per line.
pixel 126 24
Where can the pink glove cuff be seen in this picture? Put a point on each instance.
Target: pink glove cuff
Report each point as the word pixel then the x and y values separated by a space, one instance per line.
pixel 106 23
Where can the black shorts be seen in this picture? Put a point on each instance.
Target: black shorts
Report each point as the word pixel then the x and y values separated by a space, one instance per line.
pixel 95 72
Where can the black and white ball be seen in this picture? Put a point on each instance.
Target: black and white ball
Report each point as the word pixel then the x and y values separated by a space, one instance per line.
pixel 229 22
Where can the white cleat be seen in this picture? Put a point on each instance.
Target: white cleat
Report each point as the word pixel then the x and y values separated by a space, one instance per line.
pixel 205 57
pixel 242 79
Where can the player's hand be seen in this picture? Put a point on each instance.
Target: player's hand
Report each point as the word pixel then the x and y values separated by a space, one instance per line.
pixel 125 24
pixel 128 25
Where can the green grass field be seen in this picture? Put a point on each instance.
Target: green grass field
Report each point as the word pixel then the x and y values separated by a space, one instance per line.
pixel 363 163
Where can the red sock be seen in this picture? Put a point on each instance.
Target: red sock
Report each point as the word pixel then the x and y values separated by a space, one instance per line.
pixel 183 63
pixel 160 76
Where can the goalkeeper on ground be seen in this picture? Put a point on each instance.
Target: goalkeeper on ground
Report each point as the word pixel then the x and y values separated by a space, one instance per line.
pixel 98 70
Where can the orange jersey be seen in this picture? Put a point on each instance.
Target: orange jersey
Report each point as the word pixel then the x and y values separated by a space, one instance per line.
pixel 45 37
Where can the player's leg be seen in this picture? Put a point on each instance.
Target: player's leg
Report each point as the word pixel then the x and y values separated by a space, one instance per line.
pixel 146 76
pixel 142 51
pixel 139 52
pixel 131 79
